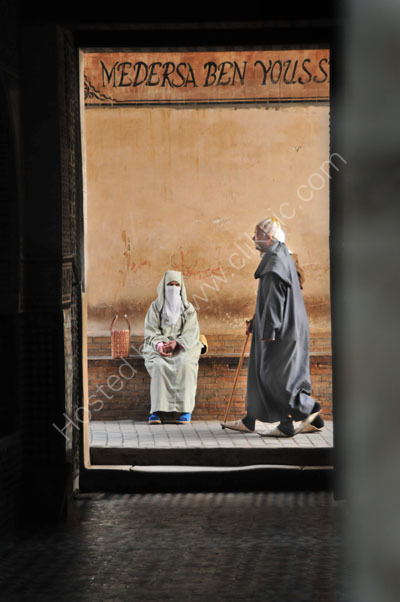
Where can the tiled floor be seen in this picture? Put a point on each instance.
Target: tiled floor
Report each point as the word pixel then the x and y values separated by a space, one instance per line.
pixel 199 434
pixel 267 547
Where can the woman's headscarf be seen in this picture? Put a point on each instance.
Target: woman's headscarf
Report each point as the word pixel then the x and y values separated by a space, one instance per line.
pixel 172 300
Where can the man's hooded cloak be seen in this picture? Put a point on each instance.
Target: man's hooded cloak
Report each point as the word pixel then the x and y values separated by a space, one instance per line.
pixel 279 375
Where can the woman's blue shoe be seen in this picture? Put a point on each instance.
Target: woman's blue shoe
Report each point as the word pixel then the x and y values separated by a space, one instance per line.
pixel 155 418
pixel 184 418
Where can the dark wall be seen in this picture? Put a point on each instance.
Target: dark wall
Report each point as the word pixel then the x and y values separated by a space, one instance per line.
pixel 52 244
pixel 40 267
pixel 10 267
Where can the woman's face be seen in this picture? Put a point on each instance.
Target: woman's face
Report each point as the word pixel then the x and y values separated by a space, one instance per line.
pixel 173 283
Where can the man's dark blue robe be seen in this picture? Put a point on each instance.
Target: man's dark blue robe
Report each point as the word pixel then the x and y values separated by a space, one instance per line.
pixel 278 381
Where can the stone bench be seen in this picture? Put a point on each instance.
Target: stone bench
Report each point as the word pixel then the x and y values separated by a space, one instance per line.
pixel 119 389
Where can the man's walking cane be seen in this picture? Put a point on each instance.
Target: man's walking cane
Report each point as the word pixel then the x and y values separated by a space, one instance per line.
pixel 228 409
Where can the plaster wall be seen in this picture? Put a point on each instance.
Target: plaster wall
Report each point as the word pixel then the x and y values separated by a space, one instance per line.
pixel 182 188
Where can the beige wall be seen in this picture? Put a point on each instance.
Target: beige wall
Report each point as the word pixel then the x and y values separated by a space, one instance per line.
pixel 176 188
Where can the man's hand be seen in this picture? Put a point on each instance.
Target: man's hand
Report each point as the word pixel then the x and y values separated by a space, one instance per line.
pixel 249 326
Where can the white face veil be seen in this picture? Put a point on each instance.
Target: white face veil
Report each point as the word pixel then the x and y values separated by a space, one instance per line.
pixel 171 300
pixel 173 306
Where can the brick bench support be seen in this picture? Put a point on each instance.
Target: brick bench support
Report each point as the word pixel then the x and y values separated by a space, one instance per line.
pixel 119 389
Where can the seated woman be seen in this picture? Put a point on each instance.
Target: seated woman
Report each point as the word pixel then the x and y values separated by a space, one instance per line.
pixel 171 350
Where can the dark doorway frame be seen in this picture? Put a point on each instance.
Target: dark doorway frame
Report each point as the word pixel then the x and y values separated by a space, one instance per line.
pixel 70 40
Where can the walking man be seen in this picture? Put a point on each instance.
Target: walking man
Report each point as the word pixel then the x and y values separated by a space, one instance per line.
pixel 278 380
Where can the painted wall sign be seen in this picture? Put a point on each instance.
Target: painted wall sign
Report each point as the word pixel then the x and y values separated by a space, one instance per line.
pixel 131 78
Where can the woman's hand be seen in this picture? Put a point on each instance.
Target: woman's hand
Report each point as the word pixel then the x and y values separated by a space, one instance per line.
pixel 161 349
pixel 166 349
pixel 170 347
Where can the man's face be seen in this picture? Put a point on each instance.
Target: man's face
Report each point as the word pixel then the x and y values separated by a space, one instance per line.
pixel 173 283
pixel 262 240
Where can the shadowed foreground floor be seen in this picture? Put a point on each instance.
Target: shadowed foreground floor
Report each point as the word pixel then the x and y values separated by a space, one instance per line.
pixel 225 546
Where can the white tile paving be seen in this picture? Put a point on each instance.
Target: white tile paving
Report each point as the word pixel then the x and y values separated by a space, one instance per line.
pixel 199 434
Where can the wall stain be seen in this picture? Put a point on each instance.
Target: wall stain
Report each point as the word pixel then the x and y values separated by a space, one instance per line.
pixel 220 220
pixel 127 259
pixel 192 269
pixel 128 264
pixel 136 266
